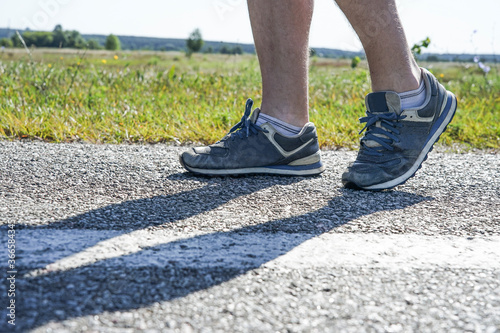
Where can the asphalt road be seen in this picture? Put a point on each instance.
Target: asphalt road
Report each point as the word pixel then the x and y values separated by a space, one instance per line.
pixel 118 238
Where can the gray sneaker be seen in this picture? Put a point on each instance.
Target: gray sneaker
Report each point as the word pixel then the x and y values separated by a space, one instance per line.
pixel 249 149
pixel 396 142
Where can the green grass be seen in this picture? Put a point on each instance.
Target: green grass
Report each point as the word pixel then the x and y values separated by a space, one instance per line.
pixel 165 97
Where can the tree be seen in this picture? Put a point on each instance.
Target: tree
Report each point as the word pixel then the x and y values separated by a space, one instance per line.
pixel 112 43
pixel 59 38
pixel 75 40
pixel 195 42
pixel 37 38
pixel 93 44
pixel 5 42
pixel 16 41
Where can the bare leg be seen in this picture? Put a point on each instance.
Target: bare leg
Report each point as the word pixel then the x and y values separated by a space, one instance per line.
pixel 379 28
pixel 281 33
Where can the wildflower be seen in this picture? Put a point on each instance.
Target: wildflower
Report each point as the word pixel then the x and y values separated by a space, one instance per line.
pixel 50 65
pixel 441 75
pixel 485 68
pixel 116 57
pixel 61 58
pixel 103 61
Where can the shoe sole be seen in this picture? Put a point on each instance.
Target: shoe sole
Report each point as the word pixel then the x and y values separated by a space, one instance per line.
pixel 281 170
pixel 445 118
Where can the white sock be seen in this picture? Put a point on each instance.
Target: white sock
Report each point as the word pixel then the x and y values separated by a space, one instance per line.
pixel 279 125
pixel 413 98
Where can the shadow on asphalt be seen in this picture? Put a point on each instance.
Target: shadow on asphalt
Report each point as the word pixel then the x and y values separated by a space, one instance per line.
pixel 95 288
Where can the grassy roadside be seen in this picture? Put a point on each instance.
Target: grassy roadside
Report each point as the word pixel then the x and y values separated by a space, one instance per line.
pixel 156 97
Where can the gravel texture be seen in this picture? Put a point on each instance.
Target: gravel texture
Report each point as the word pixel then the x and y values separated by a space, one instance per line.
pixel 118 238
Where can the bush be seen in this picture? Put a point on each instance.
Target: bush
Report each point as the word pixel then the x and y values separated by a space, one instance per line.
pixel 417 48
pixel 237 50
pixel 355 62
pixel 112 43
pixel 230 50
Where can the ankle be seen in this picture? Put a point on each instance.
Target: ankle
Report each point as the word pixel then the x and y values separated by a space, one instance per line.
pixel 281 126
pixel 292 114
pixel 397 81
pixel 413 98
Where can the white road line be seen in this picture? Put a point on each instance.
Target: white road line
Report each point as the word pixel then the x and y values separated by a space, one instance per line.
pixel 56 250
pixel 394 251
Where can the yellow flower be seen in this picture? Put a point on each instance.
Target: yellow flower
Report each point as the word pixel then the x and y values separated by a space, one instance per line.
pixel 441 75
pixel 61 58
pixel 78 63
pixel 50 65
pixel 103 61
pixel 116 57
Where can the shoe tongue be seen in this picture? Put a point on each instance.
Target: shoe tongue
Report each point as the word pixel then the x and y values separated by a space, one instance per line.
pixel 255 115
pixel 383 102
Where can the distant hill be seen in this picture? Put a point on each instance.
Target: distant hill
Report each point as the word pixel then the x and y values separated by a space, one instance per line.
pixel 166 44
pixel 176 44
pixel 6 32
pixel 458 57
pixel 151 43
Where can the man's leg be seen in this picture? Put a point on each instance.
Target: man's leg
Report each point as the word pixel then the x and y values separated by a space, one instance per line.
pixel 281 34
pixel 408 110
pixel 391 63
pixel 278 140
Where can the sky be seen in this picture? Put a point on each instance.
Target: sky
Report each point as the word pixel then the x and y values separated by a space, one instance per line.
pixel 454 26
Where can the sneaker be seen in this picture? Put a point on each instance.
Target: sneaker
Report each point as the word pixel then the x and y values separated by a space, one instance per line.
pixel 249 149
pixel 396 142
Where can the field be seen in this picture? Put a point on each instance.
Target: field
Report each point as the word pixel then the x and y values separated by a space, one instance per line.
pixel 103 97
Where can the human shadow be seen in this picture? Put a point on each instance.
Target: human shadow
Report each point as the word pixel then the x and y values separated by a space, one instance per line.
pixel 181 266
pixel 132 215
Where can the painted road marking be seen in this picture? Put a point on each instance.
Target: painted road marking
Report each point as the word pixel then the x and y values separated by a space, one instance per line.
pixel 58 250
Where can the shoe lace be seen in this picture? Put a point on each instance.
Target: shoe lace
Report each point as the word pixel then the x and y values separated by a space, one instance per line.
pixel 245 127
pixel 381 128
